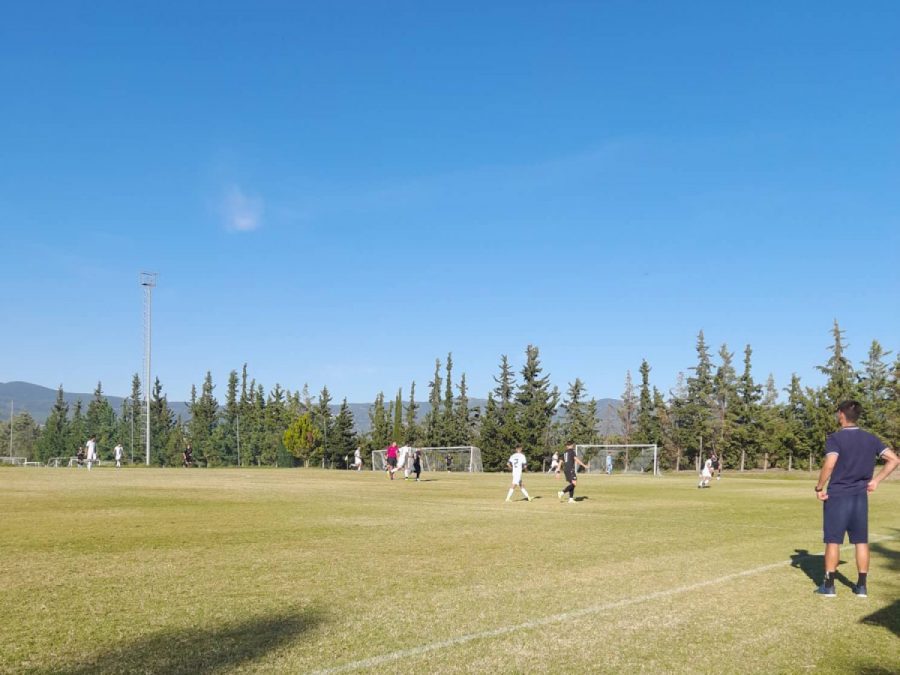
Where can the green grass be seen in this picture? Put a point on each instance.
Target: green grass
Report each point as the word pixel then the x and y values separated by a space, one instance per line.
pixel 186 571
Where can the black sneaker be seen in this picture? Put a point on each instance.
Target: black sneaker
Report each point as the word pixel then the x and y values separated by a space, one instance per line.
pixel 859 591
pixel 826 591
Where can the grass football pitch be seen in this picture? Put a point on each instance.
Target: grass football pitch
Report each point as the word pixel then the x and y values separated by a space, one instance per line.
pixel 240 570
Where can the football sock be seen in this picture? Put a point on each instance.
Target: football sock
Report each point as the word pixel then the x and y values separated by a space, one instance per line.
pixel 829 579
pixel 862 579
pixel 509 494
pixel 524 492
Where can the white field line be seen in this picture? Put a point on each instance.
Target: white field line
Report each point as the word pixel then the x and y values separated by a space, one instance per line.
pixel 375 661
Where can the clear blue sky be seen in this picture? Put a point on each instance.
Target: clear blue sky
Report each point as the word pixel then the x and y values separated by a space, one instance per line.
pixel 338 193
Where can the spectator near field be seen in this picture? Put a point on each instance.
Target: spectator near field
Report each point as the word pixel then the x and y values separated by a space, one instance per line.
pixel 570 469
pixel 716 466
pixel 91 448
pixel 417 463
pixel 850 456
pixel 357 459
pixel 554 463
pixel 517 462
pixel 449 461
pixel 117 453
pixel 392 458
pixel 187 457
pixel 79 457
pixel 608 464
pixel 706 473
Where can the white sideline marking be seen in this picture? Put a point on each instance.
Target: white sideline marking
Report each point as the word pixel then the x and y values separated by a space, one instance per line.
pixel 555 618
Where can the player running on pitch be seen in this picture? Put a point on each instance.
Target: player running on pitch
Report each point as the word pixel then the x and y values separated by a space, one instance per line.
pixel 392 459
pixel 403 460
pixel 570 469
pixel 554 464
pixel 357 459
pixel 706 473
pixel 517 463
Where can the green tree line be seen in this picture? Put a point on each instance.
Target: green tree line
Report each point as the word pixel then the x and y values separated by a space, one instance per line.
pixel 718 405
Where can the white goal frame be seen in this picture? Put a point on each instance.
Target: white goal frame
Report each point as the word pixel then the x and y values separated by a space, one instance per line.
pixel 434 459
pixel 618 450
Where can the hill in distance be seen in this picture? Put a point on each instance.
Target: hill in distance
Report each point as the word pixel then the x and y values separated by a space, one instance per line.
pixel 38 401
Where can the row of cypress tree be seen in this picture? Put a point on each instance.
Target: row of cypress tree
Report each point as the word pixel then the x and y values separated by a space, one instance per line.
pixel 716 406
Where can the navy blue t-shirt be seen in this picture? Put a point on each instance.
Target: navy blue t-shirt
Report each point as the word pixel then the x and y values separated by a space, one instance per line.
pixel 857 451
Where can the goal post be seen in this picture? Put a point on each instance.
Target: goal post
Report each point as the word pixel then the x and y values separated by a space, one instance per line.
pixel 623 458
pixel 466 458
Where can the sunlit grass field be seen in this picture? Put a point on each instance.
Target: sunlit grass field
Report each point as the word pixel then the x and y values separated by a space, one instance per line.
pixel 189 571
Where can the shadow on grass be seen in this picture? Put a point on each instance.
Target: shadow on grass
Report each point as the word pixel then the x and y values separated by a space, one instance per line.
pixel 813 565
pixel 581 499
pixel 886 617
pixel 185 650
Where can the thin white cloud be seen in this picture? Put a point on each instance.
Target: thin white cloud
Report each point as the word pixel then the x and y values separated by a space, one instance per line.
pixel 242 212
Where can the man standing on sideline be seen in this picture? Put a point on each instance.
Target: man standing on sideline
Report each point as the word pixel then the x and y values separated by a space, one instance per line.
pixel 91 446
pixel 850 456
pixel 517 463
pixel 570 469
pixel 608 464
pixel 117 452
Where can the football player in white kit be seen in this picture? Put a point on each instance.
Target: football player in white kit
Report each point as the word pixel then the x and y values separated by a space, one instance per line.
pixel 554 464
pixel 357 459
pixel 91 446
pixel 119 451
pixel 517 461
pixel 706 473
pixel 402 460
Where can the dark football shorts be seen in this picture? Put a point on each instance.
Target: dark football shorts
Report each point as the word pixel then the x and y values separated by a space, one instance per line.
pixel 570 476
pixel 392 461
pixel 846 514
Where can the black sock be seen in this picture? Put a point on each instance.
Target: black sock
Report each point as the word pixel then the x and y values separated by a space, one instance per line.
pixel 829 579
pixel 572 494
pixel 862 579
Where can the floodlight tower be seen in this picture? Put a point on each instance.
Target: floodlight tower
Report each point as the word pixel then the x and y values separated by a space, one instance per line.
pixel 148 281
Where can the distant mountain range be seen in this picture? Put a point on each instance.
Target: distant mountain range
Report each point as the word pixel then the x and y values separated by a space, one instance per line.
pixel 38 401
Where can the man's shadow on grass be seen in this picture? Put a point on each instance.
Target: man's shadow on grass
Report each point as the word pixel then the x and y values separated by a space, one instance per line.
pixel 184 650
pixel 813 565
pixel 887 617
pixel 581 499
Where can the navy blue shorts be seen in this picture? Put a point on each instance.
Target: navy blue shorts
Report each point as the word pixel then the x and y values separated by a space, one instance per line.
pixel 846 514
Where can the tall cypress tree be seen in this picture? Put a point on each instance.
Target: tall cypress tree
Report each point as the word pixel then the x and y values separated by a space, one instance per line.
pixel 748 430
pixel 397 426
pixel 204 415
pixel 447 422
pixel 839 371
pixel 162 422
pixel 411 428
pixel 576 425
pixel 645 431
pixel 433 428
pixel 345 440
pixel 726 408
pixel 875 391
pixel 628 411
pixel 54 441
pixel 100 421
pixel 380 434
pixel 537 403
pixel 324 421
pixel 462 423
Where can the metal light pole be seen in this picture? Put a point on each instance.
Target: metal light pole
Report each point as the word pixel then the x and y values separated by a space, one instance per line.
pixel 11 408
pixel 239 439
pixel 131 401
pixel 148 281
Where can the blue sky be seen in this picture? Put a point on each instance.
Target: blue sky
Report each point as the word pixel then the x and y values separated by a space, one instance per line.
pixel 339 193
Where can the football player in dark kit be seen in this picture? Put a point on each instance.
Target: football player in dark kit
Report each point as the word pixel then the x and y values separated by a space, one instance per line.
pixel 417 463
pixel 850 456
pixel 570 464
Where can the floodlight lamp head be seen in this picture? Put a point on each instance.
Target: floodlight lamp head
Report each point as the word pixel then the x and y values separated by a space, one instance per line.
pixel 148 279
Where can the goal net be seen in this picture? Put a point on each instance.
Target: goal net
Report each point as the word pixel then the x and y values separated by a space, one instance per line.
pixel 452 458
pixel 631 458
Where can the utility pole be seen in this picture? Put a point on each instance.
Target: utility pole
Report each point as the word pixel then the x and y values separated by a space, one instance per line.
pixel 11 408
pixel 148 281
